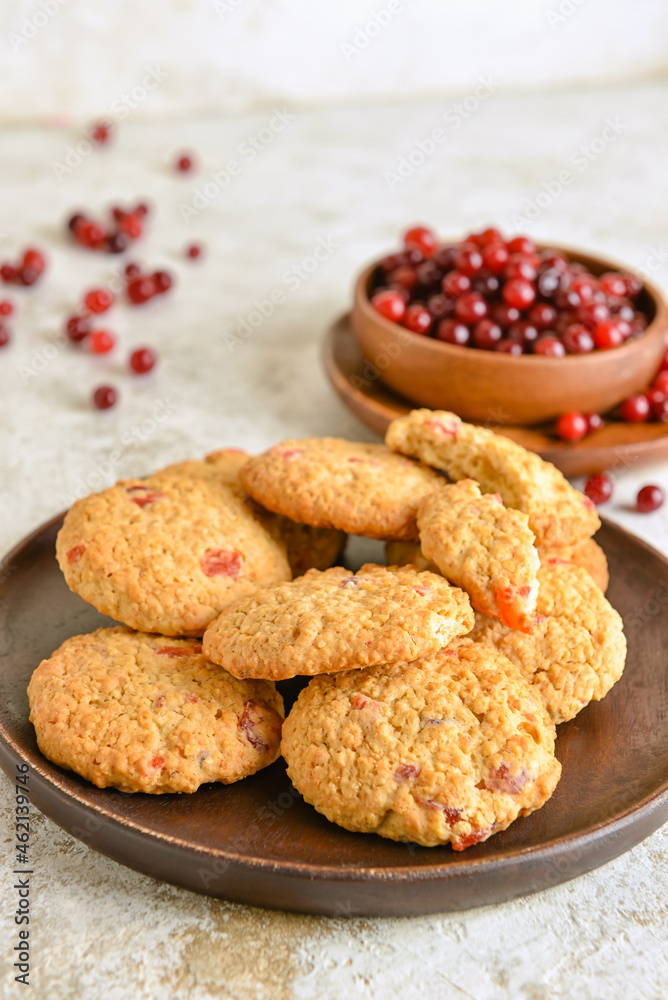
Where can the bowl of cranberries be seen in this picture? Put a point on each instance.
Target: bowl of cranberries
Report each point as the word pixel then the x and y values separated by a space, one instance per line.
pixel 505 329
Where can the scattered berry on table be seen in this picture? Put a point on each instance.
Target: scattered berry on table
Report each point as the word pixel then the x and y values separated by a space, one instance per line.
pixel 598 488
pixel 104 397
pixel 142 360
pixel 572 426
pixel 649 499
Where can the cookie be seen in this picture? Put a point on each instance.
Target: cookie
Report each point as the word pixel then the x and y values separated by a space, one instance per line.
pixel 558 514
pixel 334 620
pixel 485 548
pixel 306 547
pixel 448 749
pixel 167 553
pixel 135 712
pixel 576 652
pixel 587 554
pixel 362 489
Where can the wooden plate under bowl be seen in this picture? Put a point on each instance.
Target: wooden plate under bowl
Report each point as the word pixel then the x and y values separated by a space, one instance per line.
pixel 257 842
pixel 616 447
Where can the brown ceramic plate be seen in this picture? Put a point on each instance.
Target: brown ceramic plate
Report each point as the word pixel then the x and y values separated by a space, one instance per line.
pixel 257 842
pixel 617 446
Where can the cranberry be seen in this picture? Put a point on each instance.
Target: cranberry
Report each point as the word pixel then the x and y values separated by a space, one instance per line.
pixel 141 209
pixel 572 426
pixel 77 328
pixel 428 274
pixel 613 284
pixel 489 236
pixel 118 242
pixel 504 314
pixel 633 285
pixel 470 307
pixel 453 332
pixel 455 284
pixel 6 308
pixel 142 360
pixel 519 293
pixel 523 332
pixel 100 341
pixel 487 334
pixel 520 266
pixel 649 498
pixel 28 276
pixel 8 273
pixel 577 339
pixel 554 260
pixel 655 396
pixel 439 306
pixel 547 283
pixel 131 225
pixel 508 346
pixel 88 233
pixel 584 286
pixel 551 347
pixel 593 313
pixel 598 488
pixel 405 277
pixel 104 397
pixel 445 258
pixel 417 319
pixel 100 133
pixel 98 300
pixel 486 284
pixel 132 270
pixel 635 409
pixel 468 260
pixel 194 250
pixel 221 562
pixel 421 238
pixel 184 163
pixel 389 304
pixel 661 382
pixel 660 410
pixel 403 293
pixel 140 290
pixel 495 257
pixel 608 335
pixel 594 421
pixel 34 259
pixel 4 336
pixel 521 244
pixel 162 281
pixel 543 315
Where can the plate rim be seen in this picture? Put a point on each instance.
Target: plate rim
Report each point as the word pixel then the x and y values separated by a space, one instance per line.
pixel 653 804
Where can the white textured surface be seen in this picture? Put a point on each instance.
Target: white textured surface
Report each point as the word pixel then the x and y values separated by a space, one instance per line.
pixel 101 931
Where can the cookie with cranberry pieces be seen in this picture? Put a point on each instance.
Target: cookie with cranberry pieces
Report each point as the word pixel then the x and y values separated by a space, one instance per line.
pixel 166 554
pixel 143 714
pixel 362 489
pixel 485 548
pixel 335 620
pixel 577 650
pixel 558 513
pixel 448 749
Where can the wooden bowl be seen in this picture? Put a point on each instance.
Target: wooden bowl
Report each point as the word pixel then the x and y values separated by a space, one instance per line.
pixel 490 386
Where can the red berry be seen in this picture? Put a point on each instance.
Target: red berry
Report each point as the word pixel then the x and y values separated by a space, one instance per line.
pixel 577 339
pixel 489 236
pixel 594 421
pixel 453 332
pixel 184 163
pixel 98 300
pixel 584 286
pixel 162 281
pixel 635 409
pixel 8 273
pixel 660 409
pixel 608 335
pixel 33 259
pixel 390 305
pixel 519 293
pixel 487 334
pixel 613 284
pixel 428 274
pixel 421 238
pixel 417 319
pixel 28 275
pixel 633 285
pixel 598 488
pixel 445 258
pixel 104 397
pixel 470 307
pixel 661 382
pixel 469 260
pixel 140 290
pixel 141 209
pixel 131 225
pixel 593 313
pixel 521 244
pixel 6 308
pixel 88 233
pixel 142 360
pixel 4 336
pixel 194 250
pixel 405 277
pixel 439 306
pixel 495 257
pixel 543 315
pixel 77 328
pixel 509 346
pixel 572 426
pixel 504 315
pixel 649 498
pixel 100 133
pixel 523 332
pixel 118 242
pixel 100 341
pixel 131 270
pixel 521 266
pixel 551 347
pixel 655 397
pixel 455 284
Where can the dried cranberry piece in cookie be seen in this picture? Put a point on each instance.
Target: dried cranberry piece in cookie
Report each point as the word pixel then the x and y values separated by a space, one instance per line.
pixel 469 839
pixel 175 651
pixel 221 562
pixel 406 771
pixel 149 495
pixel 501 780
pixel 253 715
pixel 75 553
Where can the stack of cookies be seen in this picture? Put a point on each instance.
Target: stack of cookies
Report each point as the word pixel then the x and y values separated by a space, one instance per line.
pixel 436 680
